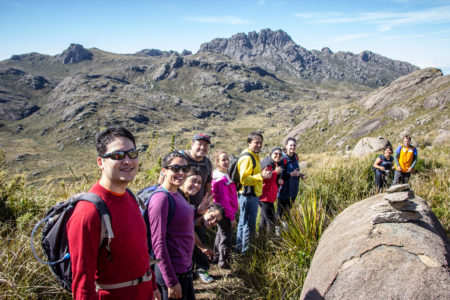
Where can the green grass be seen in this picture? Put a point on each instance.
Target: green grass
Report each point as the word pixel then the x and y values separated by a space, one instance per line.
pixel 273 268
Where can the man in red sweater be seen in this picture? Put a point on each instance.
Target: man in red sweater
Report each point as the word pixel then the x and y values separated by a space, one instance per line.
pixel 122 272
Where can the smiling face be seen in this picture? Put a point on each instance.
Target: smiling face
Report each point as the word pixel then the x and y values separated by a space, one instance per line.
pixel 256 144
pixel 199 149
pixel 192 185
pixel 172 179
pixel 387 152
pixel 290 147
pixel 211 219
pixel 276 156
pixel 223 162
pixel 116 174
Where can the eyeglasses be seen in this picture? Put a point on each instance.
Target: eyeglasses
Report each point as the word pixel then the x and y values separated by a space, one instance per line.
pixel 277 153
pixel 177 168
pixel 119 155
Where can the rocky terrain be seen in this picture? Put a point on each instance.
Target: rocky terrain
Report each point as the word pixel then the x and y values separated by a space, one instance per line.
pixel 276 51
pixel 52 106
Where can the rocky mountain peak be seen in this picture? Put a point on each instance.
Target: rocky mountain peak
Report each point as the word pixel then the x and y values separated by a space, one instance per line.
pixel 276 51
pixel 74 54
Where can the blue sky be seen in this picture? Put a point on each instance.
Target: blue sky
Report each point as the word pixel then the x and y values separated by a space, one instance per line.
pixel 414 31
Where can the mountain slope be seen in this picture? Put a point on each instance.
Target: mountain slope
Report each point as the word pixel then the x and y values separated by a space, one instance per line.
pixel 276 51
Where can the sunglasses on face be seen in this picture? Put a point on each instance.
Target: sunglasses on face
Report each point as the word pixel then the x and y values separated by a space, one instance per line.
pixel 119 155
pixel 177 168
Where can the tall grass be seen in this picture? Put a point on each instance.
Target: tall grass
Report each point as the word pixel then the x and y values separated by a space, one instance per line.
pixel 273 268
pixel 276 268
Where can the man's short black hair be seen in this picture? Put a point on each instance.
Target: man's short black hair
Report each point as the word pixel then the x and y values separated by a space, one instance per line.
pixel 108 135
pixel 254 134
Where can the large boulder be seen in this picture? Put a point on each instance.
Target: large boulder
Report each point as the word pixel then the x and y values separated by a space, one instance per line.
pixel 369 145
pixel 384 247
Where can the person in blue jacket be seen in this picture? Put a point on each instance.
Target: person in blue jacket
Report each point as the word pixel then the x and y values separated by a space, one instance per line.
pixel 291 176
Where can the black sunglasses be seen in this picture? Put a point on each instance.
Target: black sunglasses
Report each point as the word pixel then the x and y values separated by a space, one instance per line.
pixel 119 155
pixel 177 168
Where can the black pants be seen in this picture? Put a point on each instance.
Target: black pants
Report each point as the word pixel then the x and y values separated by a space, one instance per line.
pixel 284 206
pixel 379 181
pixel 201 261
pixel 223 242
pixel 267 221
pixel 185 280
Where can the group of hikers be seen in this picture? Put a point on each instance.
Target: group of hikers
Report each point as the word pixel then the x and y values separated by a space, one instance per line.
pixel 157 257
pixel 404 161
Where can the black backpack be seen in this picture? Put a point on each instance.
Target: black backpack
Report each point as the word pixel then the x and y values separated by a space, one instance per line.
pixel 144 196
pixel 54 240
pixel 234 172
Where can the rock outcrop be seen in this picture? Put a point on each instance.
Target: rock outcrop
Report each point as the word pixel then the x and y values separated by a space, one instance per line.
pixel 276 51
pixel 369 145
pixel 74 54
pixel 390 246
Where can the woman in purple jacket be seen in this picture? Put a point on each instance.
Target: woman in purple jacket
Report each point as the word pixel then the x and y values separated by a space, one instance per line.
pixel 224 193
pixel 173 243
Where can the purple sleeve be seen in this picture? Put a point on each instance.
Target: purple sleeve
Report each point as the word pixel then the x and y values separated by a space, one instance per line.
pixel 158 210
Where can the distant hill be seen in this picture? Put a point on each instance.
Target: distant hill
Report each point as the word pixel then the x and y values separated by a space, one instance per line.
pixel 51 107
pixel 276 51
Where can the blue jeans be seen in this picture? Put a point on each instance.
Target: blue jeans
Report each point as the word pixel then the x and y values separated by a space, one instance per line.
pixel 247 221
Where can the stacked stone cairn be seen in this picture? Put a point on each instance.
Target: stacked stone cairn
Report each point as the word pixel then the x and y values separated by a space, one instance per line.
pixel 397 207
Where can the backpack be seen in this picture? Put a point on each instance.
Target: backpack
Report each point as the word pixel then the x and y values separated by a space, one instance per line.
pixel 234 172
pixel 144 196
pixel 54 240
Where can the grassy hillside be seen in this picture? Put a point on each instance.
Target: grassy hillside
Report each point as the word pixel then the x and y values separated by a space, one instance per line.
pixel 272 269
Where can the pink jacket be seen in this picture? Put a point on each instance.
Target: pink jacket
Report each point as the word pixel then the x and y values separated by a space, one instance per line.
pixel 224 193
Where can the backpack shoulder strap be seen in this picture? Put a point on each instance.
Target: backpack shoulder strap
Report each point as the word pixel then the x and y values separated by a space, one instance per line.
pixel 138 200
pixel 106 233
pixel 252 158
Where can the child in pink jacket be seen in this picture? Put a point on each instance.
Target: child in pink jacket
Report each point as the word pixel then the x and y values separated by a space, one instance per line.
pixel 224 193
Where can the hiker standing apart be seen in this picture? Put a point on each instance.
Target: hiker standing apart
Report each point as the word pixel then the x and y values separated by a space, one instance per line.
pixel 224 193
pixel 128 259
pixel 291 176
pixel 173 243
pixel 382 164
pixel 251 179
pixel 270 190
pixel 405 158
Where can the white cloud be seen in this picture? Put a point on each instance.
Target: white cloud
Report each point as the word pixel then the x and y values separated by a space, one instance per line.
pixel 385 20
pixel 219 20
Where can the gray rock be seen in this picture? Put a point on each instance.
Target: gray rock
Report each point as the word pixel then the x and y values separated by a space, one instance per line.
pixel 396 197
pixel 443 138
pixel 357 259
pixel 398 188
pixel 276 51
pixel 161 73
pixel 74 54
pixel 368 145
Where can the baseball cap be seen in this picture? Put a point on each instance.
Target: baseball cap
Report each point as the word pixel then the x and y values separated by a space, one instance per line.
pixel 201 136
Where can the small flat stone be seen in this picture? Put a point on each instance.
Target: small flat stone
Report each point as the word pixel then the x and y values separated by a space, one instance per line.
pixel 397 197
pixel 398 188
pixel 396 217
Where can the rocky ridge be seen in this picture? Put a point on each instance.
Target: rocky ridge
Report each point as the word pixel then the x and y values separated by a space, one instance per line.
pixel 276 51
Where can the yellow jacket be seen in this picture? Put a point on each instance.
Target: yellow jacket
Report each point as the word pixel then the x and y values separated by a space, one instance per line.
pixel 245 168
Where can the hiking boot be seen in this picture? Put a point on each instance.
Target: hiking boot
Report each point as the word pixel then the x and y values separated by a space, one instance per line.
pixel 204 276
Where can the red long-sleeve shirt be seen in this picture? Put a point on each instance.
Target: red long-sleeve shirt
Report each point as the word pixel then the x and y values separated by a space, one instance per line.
pixel 129 252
